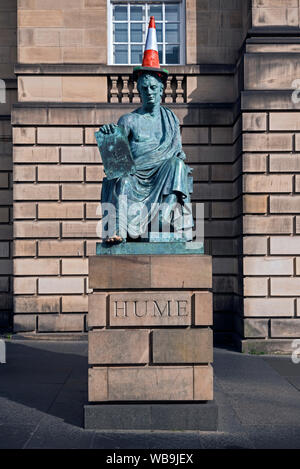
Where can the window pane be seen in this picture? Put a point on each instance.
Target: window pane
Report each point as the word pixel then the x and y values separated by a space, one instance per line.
pixel 159 34
pixel 172 54
pixel 136 32
pixel 172 32
pixel 120 32
pixel 137 13
pixel 172 12
pixel 156 11
pixel 120 54
pixel 120 13
pixel 136 54
pixel 160 53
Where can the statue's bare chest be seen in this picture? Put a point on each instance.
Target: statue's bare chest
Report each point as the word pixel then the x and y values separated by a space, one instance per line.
pixel 146 128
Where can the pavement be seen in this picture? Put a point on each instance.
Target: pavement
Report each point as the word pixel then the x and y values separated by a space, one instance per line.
pixel 43 388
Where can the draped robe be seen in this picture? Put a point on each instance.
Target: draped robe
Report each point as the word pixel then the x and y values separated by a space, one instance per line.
pixel 160 171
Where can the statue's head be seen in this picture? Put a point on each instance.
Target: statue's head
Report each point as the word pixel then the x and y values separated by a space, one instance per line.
pixel 151 89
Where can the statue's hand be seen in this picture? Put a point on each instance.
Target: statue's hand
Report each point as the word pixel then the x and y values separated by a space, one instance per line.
pixel 108 128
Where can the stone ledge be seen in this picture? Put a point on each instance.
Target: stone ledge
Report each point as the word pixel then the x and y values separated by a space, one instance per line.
pixel 268 100
pixel 267 346
pixel 30 113
pixel 103 69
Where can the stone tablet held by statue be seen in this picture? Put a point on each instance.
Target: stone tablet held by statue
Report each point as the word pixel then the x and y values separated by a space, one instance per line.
pixel 115 153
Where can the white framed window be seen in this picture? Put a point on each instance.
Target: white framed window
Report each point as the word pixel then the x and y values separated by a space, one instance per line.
pixel 127 29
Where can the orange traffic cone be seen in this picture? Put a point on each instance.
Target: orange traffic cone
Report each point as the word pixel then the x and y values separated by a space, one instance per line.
pixel 151 58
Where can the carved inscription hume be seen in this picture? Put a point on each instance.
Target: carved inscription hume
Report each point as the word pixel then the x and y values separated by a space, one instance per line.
pixel 150 309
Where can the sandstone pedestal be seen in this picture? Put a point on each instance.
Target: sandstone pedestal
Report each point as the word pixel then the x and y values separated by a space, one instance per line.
pixel 150 342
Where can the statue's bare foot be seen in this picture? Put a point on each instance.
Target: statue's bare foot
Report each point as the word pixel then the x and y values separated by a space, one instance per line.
pixel 115 239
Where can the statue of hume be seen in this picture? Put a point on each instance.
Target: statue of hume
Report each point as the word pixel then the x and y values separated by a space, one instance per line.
pixel 161 181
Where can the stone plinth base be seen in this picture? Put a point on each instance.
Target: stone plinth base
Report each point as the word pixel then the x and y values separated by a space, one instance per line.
pixel 172 417
pixel 150 339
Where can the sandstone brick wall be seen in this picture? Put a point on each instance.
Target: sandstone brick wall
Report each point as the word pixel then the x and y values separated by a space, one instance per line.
pixel 57 183
pixel 215 30
pixel 271 126
pixel 62 31
pixel 8 41
pixel 275 13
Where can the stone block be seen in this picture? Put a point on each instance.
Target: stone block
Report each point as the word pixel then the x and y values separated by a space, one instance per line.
pixel 254 121
pixel 288 328
pixel 78 229
pixel 24 323
pixel 112 347
pixel 150 309
pixel 194 135
pixel 93 210
pixel 210 89
pixel 80 155
pixel 74 304
pixel 182 346
pixel 152 416
pixel 61 323
pixel 36 266
pixel 97 307
pixel 24 248
pixel 81 191
pixel 255 162
pixel 41 18
pixel 282 162
pixel 36 154
pixel 36 192
pixel 255 286
pixel 24 285
pixel 94 173
pixel 74 266
pixel 84 55
pixel 24 173
pixel 286 246
pixel 203 309
pixel 97 388
pixel 40 55
pixel 267 142
pixel 60 173
pixel 285 204
pixel 84 89
pixel 289 121
pixel 40 88
pixel 255 203
pixel 221 135
pixel 285 286
pixel 23 135
pixel 155 383
pixel 60 135
pixel 61 285
pixel 268 184
pixel 60 210
pixel 203 383
pixel 40 229
pixel 24 210
pixel 268 307
pixel 62 248
pixel 4 249
pixel 268 266
pixel 256 328
pixel 270 72
pixel 36 304
pixel 268 225
pixel 187 272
